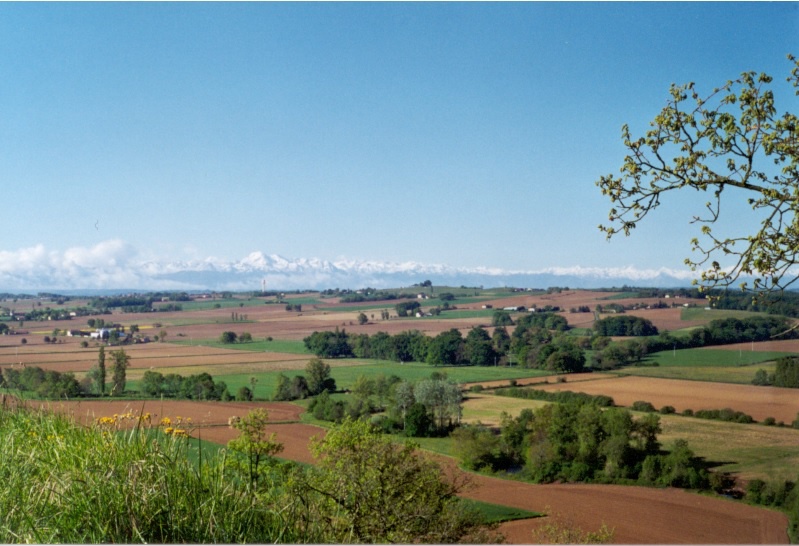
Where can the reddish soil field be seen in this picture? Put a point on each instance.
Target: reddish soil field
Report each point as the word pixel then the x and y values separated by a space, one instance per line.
pixel 70 357
pixel 638 515
pixel 759 402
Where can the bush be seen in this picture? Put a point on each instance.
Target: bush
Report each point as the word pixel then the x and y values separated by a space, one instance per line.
pixel 228 337
pixel 667 410
pixel 725 414
pixel 640 405
pixel 418 423
pixel 244 394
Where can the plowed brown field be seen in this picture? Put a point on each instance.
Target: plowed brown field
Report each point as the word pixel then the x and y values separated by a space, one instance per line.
pixel 759 402
pixel 70 357
pixel 638 515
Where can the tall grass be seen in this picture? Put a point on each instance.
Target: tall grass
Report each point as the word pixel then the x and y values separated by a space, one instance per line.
pixel 71 484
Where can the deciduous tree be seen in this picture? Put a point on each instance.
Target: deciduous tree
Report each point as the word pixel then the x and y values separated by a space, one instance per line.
pixel 728 143
pixel 318 377
pixel 119 371
pixel 369 490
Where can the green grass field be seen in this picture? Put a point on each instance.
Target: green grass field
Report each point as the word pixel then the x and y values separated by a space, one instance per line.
pixel 696 358
pixel 230 303
pixel 346 376
pixel 495 513
pixel 719 374
pixel 751 451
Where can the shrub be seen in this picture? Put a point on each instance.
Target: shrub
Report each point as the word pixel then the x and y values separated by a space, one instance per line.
pixel 640 405
pixel 228 337
pixel 244 394
pixel 667 410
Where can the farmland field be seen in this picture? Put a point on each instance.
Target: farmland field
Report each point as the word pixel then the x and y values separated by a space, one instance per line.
pixel 708 378
pixel 704 519
pixel 759 402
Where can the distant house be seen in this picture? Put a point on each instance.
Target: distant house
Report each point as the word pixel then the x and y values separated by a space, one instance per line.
pixel 488 306
pixel 101 333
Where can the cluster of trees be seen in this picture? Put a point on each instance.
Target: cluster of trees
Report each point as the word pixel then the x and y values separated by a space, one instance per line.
pixel 233 337
pixel 97 375
pixel 45 313
pixel 317 379
pixel 429 407
pixel 580 441
pixel 329 344
pixel 368 395
pixel 407 308
pixel 194 387
pixel 625 325
pixel 532 345
pixel 562 397
pixel 786 374
pixel 732 330
pixel 366 294
pixel 539 341
pixel 45 383
pixel 783 494
pixel 607 355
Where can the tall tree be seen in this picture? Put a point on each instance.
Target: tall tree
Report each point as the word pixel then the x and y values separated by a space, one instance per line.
pixel 119 371
pixel 731 139
pixel 101 373
pixel 478 349
pixel 319 377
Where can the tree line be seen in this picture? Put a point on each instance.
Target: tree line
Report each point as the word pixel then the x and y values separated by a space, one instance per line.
pixel 425 408
pixel 531 345
pixel 578 440
pixel 607 355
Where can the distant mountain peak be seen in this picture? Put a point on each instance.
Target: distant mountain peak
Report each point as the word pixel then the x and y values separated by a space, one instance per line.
pixel 113 264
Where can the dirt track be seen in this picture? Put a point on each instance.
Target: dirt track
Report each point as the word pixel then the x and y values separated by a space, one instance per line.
pixel 638 515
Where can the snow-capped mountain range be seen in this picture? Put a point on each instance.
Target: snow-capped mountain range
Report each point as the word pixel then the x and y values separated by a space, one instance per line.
pixel 114 265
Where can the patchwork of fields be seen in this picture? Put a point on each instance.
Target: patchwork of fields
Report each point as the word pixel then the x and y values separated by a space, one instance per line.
pixel 712 378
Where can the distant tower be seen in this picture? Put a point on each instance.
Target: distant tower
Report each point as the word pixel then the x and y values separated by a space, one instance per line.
pixel 263 286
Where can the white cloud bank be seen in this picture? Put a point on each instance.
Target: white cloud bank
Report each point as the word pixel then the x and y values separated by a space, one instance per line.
pixel 115 264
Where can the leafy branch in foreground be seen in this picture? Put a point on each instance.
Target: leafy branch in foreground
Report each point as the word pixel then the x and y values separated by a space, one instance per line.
pixel 731 139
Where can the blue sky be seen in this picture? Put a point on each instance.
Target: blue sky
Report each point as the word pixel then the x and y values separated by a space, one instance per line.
pixel 467 134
